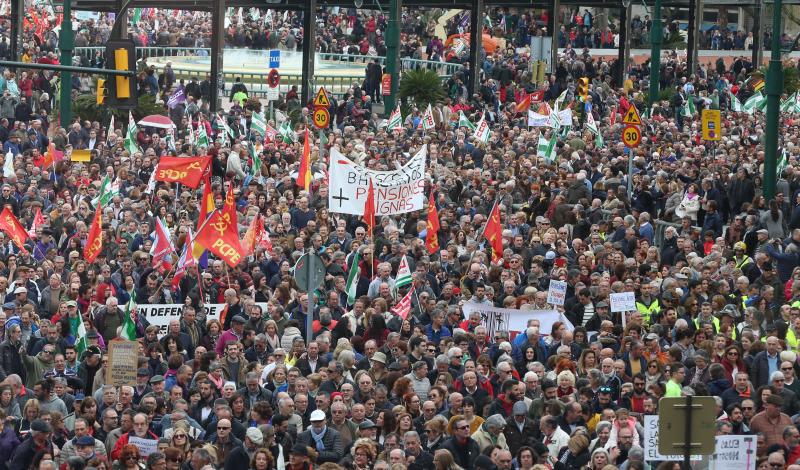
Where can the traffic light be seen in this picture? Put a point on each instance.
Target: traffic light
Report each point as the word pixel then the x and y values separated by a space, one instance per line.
pixel 101 91
pixel 121 55
pixel 583 88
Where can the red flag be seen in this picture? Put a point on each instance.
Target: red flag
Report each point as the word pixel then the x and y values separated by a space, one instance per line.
pixel 220 236
pixel 403 307
pixel 185 170
pixel 524 104
pixel 537 96
pixel 94 243
pixel 369 208
pixel 304 172
pixel 38 221
pixel 432 231
pixel 253 236
pixel 613 117
pixel 494 233
pixel 10 225
pixel 229 210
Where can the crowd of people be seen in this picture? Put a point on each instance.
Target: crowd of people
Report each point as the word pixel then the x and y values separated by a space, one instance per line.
pixel 712 263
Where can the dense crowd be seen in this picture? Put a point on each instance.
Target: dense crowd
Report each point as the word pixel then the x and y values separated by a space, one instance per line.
pixel 711 262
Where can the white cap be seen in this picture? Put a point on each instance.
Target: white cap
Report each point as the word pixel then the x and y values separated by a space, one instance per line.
pixel 317 415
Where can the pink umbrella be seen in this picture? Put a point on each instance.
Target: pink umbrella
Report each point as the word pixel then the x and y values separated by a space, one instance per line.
pixel 157 120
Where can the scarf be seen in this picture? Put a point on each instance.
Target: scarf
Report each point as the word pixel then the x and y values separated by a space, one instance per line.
pixel 318 438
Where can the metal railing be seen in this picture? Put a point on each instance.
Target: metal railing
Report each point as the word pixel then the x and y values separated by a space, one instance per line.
pixel 443 69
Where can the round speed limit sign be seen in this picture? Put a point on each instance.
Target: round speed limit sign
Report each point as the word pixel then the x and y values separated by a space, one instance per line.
pixel 321 118
pixel 631 136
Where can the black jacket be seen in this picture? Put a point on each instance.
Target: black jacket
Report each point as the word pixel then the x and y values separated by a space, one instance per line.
pixel 10 361
pixel 463 455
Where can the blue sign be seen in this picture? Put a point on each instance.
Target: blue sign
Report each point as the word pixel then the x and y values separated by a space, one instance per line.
pixel 274 59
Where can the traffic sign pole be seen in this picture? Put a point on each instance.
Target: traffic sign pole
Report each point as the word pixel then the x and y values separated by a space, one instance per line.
pixel 310 288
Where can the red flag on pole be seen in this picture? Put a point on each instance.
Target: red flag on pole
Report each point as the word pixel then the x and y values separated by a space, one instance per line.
pixel 432 231
pixel 369 208
pixel 494 233
pixel 403 307
pixel 94 242
pixel 10 225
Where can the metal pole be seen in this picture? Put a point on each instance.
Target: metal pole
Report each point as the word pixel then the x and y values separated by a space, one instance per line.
pixel 687 447
pixel 475 45
pixel 17 13
pixel 624 44
pixel 392 54
pixel 310 287
pixel 774 88
pixel 758 43
pixel 66 43
pixel 656 36
pixel 217 46
pixel 555 31
pixel 630 154
pixel 691 42
pixel 309 49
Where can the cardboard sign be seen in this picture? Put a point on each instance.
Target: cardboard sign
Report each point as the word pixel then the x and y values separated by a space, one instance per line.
pixel 514 320
pixel 145 446
pixel 623 302
pixel 734 453
pixel 557 292
pixel 123 361
pixel 651 443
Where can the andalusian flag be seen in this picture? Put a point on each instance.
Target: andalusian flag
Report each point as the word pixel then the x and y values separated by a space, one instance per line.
pixel 464 122
pixel 403 274
pixel 783 162
pixel 107 192
pixel 754 102
pixel 130 137
pixel 547 148
pixel 78 330
pixel 128 324
pixel 202 135
pixel 688 108
pixel 352 279
pixel 287 134
pixel 258 123
pixel 591 126
pixel 736 105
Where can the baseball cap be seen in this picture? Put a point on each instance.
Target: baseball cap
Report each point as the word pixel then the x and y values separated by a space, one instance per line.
pixel 317 415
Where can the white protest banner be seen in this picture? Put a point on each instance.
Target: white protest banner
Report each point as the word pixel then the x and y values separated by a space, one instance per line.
pixel 396 192
pixel 557 292
pixel 543 120
pixel 623 302
pixel 145 446
pixel 508 319
pixel 161 314
pixel 734 453
pixel 651 443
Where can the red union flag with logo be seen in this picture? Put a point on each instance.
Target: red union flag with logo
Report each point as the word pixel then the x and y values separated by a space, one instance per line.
pixel 184 170
pixel 403 307
pixel 94 242
pixel 220 236
pixel 15 231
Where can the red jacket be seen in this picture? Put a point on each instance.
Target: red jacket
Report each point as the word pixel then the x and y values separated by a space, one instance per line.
pixel 123 440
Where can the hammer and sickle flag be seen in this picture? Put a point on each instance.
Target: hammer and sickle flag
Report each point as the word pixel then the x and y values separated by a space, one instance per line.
pixel 494 233
pixel 188 171
pixel 221 237
pixel 94 242
pixel 432 230
pixel 10 225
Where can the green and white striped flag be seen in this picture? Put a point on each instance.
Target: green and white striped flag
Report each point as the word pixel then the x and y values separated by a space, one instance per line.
pixel 736 105
pixel 287 134
pixel 783 162
pixel 352 279
pixel 395 120
pixel 688 108
pixel 464 122
pixel 107 192
pixel 560 100
pixel 78 330
pixel 591 126
pixel 753 103
pixel 258 123
pixel 555 120
pixel 128 325
pixel 403 274
pixel 202 135
pixel 547 147
pixel 170 139
pixel 130 137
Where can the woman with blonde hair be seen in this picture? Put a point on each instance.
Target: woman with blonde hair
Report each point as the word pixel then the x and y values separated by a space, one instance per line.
pixel 363 454
pixel 262 460
pixel 443 460
pixel 575 454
